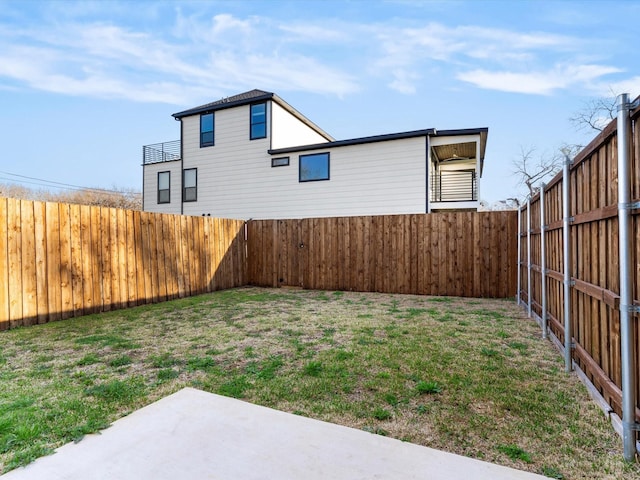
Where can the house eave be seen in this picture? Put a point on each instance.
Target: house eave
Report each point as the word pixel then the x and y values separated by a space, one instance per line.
pixel 354 141
pixel 483 132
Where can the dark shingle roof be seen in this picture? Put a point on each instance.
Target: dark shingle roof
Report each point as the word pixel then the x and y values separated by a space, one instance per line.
pixel 227 102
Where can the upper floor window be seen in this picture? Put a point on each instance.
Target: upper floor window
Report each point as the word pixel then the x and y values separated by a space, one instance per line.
pixel 314 167
pixel 164 187
pixel 258 120
pixel 206 129
pixel 190 185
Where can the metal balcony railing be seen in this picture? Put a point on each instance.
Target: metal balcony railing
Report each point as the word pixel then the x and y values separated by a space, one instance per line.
pixel 161 152
pixel 454 186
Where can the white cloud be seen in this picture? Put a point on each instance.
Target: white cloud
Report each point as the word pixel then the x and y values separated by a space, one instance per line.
pixel 203 55
pixel 630 86
pixel 404 82
pixel 540 82
pixel 314 33
pixel 408 50
pixel 106 60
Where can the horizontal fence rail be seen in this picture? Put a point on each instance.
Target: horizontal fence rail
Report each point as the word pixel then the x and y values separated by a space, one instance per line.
pixel 470 254
pixel 59 261
pixel 593 305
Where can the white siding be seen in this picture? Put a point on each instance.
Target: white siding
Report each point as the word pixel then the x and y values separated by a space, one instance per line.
pixel 226 169
pixel 236 180
pixel 150 187
pixel 288 131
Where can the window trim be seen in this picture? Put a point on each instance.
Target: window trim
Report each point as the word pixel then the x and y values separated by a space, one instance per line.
pixel 251 124
pixel 300 157
pixel 168 172
pixel 213 130
pixel 275 163
pixel 184 187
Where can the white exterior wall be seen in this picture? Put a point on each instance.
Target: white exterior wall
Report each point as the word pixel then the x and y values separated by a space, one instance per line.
pixel 288 131
pixel 228 168
pixel 150 187
pixel 369 179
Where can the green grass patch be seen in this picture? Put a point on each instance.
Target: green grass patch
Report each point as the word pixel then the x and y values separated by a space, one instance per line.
pixel 121 361
pixel 107 340
pixel 236 387
pixel 88 359
pixel 381 414
pixel 515 453
pixel 313 369
pixel 429 387
pixel 117 390
pixel 200 363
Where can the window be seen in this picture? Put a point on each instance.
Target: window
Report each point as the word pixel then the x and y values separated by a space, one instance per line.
pixel 190 185
pixel 258 121
pixel 280 162
pixel 164 187
pixel 206 129
pixel 314 167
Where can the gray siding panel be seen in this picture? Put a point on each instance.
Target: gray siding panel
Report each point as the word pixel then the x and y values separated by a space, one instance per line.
pixel 150 186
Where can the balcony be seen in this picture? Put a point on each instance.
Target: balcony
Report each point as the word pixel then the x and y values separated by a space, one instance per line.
pixel 454 186
pixel 161 152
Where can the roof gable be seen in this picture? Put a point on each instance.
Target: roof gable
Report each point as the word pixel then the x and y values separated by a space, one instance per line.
pixel 227 102
pixel 247 98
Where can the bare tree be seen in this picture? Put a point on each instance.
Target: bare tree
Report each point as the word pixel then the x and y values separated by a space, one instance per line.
pixel 531 168
pixel 595 114
pixel 117 197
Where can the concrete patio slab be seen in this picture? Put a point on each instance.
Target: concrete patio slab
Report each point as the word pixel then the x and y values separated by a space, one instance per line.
pixel 197 435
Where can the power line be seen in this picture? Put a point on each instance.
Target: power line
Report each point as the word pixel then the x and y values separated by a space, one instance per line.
pixel 54 184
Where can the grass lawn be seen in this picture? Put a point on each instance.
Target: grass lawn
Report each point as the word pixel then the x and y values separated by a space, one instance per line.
pixel 470 376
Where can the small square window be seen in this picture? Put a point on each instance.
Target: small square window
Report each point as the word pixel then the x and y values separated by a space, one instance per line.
pixel 280 162
pixel 190 185
pixel 164 187
pixel 207 127
pixel 314 167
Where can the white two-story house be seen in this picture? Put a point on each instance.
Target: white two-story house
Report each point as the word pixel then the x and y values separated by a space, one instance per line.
pixel 255 156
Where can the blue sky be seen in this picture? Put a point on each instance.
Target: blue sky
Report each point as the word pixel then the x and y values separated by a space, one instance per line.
pixel 83 85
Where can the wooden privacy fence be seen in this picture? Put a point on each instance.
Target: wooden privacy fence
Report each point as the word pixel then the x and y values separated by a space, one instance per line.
pixel 594 260
pixel 59 260
pixel 463 254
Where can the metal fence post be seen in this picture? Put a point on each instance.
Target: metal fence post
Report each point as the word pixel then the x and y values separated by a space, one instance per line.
pixel 629 425
pixel 566 220
pixel 543 265
pixel 529 257
pixel 519 263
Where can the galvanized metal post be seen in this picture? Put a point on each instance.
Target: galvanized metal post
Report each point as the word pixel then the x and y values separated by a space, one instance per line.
pixel 519 263
pixel 529 256
pixel 543 265
pixel 566 241
pixel 629 425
